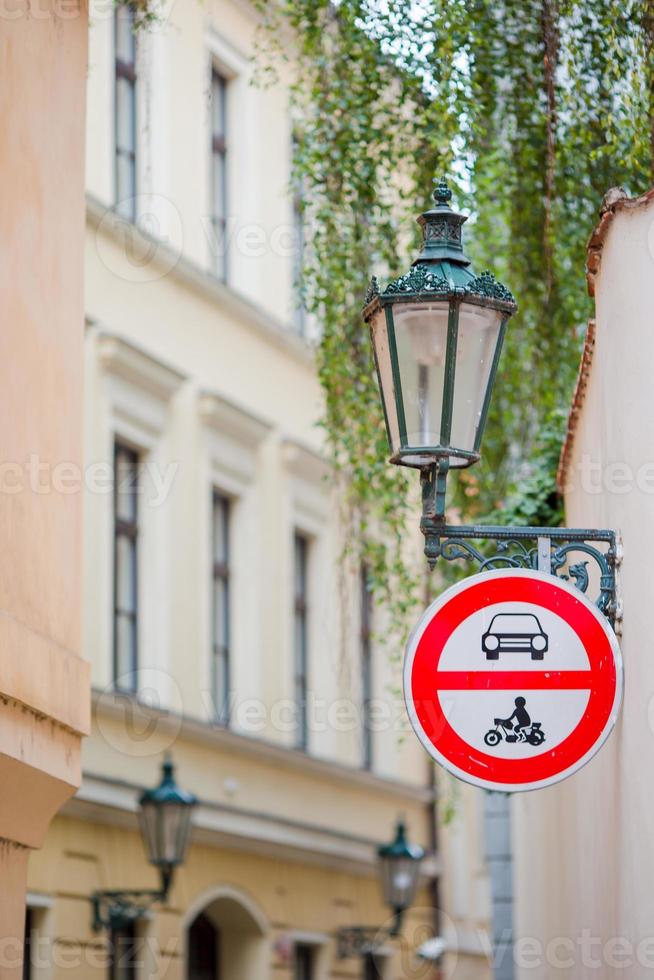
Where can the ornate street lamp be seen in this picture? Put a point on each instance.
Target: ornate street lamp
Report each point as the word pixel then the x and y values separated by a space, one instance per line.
pixel 437 335
pixel 399 866
pixel 399 870
pixel 165 821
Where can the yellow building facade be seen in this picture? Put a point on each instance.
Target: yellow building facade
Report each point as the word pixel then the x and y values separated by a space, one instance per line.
pixel 217 622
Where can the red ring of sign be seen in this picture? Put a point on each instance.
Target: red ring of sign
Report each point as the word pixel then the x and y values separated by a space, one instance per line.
pixel 602 681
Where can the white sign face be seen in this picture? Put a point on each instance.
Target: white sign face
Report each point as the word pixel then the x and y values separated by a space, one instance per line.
pixel 513 679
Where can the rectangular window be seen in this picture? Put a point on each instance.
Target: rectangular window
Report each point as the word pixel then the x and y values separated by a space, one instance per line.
pixel 299 232
pixel 300 636
pixel 304 960
pixel 366 667
pixel 123 953
pixel 220 607
pixel 125 111
pixel 126 462
pixel 219 173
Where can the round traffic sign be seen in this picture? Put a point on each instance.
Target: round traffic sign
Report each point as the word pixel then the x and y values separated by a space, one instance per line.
pixel 512 679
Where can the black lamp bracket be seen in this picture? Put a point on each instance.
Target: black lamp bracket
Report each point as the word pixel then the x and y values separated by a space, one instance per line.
pixel 561 551
pixel 117 908
pixel 366 940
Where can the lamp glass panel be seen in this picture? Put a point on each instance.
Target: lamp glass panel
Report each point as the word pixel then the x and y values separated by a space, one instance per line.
pixel 149 831
pixel 379 334
pixel 421 338
pixel 165 829
pixel 399 877
pixel 479 330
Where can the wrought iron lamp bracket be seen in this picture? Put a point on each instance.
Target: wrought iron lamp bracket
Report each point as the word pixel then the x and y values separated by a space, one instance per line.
pixel 365 940
pixel 117 908
pixel 562 551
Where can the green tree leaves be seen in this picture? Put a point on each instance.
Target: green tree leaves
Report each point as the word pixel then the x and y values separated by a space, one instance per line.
pixel 535 108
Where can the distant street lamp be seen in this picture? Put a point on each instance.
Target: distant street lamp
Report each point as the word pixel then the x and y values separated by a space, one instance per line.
pixel 399 864
pixel 399 870
pixel 165 821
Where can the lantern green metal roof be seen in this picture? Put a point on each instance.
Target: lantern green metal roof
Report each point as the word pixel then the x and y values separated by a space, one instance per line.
pixel 168 791
pixel 442 268
pixel 400 847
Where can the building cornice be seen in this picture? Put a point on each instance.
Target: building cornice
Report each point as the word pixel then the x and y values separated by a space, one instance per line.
pixel 279 756
pixel 614 202
pixel 192 276
pixel 114 802
pixel 228 417
pixel 133 364
pixel 305 462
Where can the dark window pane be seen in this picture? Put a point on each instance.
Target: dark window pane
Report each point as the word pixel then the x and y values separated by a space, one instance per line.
pixel 219 184
pixel 220 601
pixel 299 235
pixel 218 104
pixel 125 652
pixel 125 39
pixel 304 962
pixel 126 463
pixel 125 112
pixel 126 483
pixel 300 637
pixel 366 667
pixel 125 575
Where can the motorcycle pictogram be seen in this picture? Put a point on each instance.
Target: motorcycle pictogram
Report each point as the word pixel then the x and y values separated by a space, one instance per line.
pixel 524 729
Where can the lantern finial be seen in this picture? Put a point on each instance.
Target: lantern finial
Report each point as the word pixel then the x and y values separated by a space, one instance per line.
pixel 442 195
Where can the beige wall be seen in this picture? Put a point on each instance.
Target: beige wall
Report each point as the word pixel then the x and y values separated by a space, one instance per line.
pixel 210 383
pixel 43 683
pixel 266 901
pixel 174 64
pixel 585 849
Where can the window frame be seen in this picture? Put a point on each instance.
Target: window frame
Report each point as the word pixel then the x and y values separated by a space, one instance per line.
pixel 127 72
pixel 219 151
pixel 299 250
pixel 129 529
pixel 301 550
pixel 365 636
pixel 221 572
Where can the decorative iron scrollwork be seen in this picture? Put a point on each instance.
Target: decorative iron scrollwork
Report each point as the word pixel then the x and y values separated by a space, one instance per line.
pixel 487 285
pixel 419 280
pixel 518 548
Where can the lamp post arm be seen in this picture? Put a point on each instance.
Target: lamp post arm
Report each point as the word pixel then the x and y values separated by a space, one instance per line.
pixel 116 908
pixel 433 483
pixel 571 550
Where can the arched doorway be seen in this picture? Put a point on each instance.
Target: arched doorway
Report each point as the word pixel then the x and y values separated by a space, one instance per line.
pixel 204 950
pixel 225 940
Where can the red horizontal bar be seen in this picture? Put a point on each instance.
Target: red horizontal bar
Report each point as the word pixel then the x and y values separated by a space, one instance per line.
pixel 513 680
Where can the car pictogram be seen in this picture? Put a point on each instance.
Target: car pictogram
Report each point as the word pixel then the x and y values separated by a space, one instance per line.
pixel 514 632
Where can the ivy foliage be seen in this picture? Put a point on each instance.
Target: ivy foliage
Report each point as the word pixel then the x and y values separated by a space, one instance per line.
pixel 534 108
